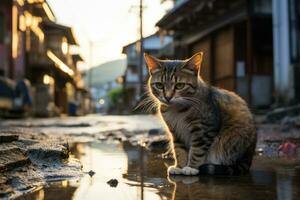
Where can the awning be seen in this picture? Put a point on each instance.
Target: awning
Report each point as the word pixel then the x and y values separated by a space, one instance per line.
pixel 175 15
pixel 65 30
pixel 191 15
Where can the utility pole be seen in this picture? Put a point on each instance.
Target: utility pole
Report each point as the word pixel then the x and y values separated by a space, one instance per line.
pixel 141 91
pixel 141 60
pixel 90 64
pixel 140 48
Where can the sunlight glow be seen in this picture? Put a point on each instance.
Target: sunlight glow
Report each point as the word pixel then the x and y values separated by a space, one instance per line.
pixel 48 80
pixel 101 101
pixel 64 45
pixel 64 184
pixel 15 39
pixel 35 1
pixel 20 2
pixel 28 18
pixel 33 23
pixel 61 65
pixel 22 23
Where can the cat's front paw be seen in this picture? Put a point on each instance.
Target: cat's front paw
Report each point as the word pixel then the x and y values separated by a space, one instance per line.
pixel 173 170
pixel 189 171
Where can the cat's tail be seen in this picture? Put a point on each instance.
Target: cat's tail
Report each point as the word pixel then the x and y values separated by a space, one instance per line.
pixel 224 170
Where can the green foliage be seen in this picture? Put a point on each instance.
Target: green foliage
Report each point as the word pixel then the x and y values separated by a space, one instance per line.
pixel 114 95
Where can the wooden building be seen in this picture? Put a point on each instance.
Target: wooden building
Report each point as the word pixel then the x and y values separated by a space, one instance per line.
pixel 236 38
pixel 55 61
pixel 34 46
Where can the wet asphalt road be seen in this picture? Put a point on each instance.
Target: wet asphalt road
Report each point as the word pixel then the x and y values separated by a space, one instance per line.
pixel 141 174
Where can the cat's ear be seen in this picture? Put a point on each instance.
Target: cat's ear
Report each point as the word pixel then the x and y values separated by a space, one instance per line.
pixel 152 63
pixel 194 63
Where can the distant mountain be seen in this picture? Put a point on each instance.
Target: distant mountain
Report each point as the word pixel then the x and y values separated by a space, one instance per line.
pixel 106 72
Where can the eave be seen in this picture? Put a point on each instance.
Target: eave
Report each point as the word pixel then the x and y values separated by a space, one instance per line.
pixel 65 30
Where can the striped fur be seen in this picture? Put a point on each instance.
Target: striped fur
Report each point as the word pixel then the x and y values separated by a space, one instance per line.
pixel 211 130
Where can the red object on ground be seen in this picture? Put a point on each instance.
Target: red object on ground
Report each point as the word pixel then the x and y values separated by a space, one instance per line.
pixel 287 149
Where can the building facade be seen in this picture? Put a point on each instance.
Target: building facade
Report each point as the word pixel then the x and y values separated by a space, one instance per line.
pixel 35 47
pixel 238 44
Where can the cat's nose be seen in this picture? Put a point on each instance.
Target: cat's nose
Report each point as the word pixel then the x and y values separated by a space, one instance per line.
pixel 168 98
pixel 168 95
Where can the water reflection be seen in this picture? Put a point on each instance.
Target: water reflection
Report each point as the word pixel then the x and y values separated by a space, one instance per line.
pixel 188 188
pixel 267 181
pixel 142 175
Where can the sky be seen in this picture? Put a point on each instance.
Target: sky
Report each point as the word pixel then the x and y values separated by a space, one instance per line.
pixel 107 25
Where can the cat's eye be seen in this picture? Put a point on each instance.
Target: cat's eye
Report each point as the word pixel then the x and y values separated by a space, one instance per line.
pixel 159 86
pixel 179 86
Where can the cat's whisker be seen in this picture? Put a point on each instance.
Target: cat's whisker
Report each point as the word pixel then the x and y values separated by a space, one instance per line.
pixel 147 104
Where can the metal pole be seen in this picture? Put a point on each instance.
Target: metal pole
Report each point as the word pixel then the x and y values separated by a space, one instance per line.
pixel 141 91
pixel 90 74
pixel 141 50
pixel 283 79
pixel 90 64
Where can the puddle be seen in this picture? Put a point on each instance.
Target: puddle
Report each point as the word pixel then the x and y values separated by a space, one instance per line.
pixel 141 175
pixel 111 161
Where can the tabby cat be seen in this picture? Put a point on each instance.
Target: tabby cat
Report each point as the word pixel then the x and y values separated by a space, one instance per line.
pixel 211 129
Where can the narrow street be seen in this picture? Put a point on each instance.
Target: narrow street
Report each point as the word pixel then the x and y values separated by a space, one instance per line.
pixel 122 158
pixel 81 83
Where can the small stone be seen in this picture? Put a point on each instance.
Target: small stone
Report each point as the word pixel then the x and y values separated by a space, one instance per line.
pixel 113 182
pixel 91 173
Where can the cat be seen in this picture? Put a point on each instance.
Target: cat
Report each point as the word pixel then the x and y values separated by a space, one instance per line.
pixel 211 129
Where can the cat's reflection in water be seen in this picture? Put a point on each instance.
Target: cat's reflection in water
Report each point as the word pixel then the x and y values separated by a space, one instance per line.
pixel 183 187
pixel 212 187
pixel 194 188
